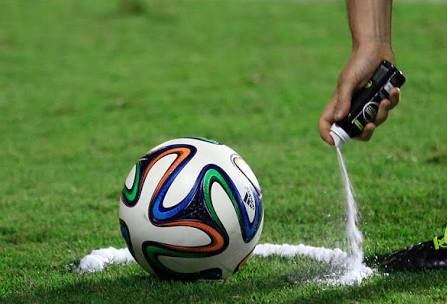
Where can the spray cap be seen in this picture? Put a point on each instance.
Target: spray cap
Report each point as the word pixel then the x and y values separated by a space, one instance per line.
pixel 339 135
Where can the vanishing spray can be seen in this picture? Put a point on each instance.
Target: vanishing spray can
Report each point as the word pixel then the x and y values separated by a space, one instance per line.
pixel 365 102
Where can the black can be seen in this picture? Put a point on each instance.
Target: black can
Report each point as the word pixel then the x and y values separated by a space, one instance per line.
pixel 365 102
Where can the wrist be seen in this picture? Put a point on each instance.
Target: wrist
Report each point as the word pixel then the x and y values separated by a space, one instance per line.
pixel 375 44
pixel 380 49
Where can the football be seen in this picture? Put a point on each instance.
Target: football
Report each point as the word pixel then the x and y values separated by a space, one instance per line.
pixel 191 208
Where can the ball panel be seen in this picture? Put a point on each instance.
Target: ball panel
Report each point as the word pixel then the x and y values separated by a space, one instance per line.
pixel 131 193
pixel 154 176
pixel 126 236
pixel 225 211
pixel 240 163
pixel 157 211
pixel 152 251
pixel 130 178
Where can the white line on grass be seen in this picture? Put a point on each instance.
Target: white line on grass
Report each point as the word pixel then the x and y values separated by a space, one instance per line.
pixel 99 259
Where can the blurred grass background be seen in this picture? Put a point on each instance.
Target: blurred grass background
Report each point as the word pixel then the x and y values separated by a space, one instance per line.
pixel 86 87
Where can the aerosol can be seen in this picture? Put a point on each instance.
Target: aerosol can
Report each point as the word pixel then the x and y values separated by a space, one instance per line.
pixel 365 102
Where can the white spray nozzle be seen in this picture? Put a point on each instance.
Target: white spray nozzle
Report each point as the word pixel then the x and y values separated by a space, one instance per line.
pixel 339 135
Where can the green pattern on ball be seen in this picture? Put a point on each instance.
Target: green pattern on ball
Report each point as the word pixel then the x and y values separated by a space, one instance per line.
pixel 131 193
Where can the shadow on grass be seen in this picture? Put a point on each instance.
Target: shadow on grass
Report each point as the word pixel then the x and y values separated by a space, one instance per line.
pixel 289 282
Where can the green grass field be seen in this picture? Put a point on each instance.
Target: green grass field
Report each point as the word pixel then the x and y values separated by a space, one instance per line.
pixel 86 88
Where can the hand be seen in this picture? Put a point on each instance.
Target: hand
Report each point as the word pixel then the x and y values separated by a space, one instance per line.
pixel 362 64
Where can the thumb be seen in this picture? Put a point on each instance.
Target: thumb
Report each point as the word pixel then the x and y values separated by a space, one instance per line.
pixel 344 100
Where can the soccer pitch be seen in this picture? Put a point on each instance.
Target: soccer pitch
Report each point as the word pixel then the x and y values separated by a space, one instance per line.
pixel 86 89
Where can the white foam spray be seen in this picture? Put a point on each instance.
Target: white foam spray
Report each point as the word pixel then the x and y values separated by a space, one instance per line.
pixel 356 270
pixel 336 257
pixel 99 259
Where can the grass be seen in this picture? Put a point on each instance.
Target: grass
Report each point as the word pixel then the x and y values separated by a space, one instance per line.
pixel 87 87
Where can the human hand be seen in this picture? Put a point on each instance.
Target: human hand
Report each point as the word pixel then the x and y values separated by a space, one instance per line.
pixel 357 72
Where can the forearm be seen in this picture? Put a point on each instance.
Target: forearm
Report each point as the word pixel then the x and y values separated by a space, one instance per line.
pixel 370 22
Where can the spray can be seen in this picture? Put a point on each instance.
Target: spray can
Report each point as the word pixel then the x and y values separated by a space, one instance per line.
pixel 365 102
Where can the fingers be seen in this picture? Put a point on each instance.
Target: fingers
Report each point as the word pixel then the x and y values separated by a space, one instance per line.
pixel 394 97
pixel 387 105
pixel 343 105
pixel 384 108
pixel 368 132
pixel 325 128
pixel 326 121
pixel 382 114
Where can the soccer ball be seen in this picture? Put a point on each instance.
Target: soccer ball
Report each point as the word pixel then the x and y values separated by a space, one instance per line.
pixel 191 208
